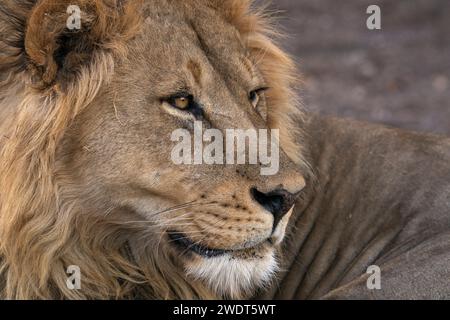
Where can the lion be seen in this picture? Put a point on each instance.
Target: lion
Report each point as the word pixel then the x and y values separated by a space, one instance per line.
pixel 87 116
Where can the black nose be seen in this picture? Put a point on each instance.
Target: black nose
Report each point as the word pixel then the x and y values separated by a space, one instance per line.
pixel 277 202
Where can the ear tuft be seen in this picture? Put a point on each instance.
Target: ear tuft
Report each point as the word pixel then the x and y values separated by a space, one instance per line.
pixel 44 44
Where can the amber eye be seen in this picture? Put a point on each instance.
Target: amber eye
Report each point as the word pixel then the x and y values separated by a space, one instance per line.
pixel 255 96
pixel 182 102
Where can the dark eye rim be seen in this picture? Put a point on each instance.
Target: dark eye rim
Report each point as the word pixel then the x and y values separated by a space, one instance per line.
pixel 256 92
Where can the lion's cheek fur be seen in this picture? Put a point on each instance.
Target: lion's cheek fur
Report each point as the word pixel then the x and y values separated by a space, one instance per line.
pixel 234 277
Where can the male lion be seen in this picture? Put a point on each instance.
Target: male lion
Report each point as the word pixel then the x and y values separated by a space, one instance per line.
pixel 86 116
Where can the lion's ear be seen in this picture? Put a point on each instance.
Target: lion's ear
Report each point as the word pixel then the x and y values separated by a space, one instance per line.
pixel 61 37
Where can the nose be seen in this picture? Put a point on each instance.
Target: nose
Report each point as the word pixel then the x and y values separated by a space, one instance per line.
pixel 278 202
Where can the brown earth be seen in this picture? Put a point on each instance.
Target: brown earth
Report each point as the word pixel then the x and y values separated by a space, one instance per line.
pixel 399 75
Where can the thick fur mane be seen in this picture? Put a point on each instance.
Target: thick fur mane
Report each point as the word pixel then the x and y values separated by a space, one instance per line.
pixel 43 229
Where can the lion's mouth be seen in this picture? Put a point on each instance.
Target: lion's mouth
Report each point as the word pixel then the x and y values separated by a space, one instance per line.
pixel 187 244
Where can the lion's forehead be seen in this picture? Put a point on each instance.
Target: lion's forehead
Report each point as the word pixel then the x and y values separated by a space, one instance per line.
pixel 198 33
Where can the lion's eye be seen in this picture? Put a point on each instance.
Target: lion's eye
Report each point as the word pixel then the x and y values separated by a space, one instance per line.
pixel 255 96
pixel 186 103
pixel 182 102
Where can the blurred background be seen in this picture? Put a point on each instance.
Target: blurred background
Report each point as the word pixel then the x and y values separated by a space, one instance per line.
pixel 399 75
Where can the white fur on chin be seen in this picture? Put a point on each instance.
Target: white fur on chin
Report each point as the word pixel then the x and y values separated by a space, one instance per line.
pixel 232 277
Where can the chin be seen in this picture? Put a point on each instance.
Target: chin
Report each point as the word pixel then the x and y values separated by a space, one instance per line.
pixel 235 274
pixel 231 274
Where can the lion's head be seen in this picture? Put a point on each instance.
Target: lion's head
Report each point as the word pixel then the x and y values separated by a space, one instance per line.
pixel 86 171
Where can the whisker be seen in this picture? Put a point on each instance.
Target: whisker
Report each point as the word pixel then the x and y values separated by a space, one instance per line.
pixel 198 242
pixel 176 208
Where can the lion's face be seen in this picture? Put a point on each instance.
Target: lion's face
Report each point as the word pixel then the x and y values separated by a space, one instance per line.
pixel 89 149
pixel 221 222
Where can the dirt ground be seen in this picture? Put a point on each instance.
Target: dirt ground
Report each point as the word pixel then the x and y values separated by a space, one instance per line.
pixel 399 75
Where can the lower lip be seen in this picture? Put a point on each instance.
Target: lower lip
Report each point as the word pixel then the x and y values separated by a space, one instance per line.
pixel 186 244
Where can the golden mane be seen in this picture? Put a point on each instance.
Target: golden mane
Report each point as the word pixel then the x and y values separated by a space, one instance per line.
pixel 42 228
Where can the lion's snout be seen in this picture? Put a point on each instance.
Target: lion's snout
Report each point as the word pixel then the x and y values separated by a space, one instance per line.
pixel 278 202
